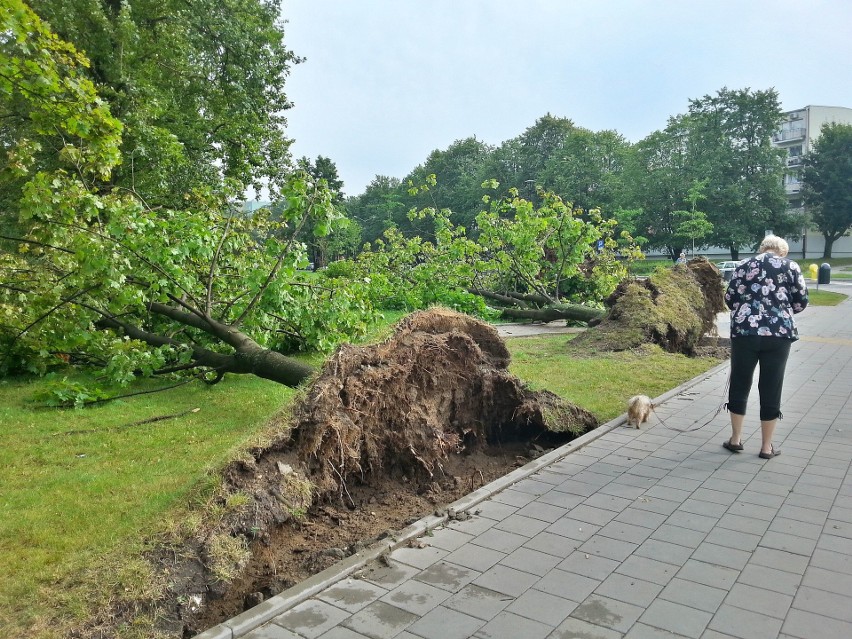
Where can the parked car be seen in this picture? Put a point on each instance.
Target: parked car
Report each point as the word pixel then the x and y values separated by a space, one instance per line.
pixel 727 269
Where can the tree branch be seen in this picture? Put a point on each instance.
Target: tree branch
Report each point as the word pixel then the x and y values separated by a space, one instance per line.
pixel 36 243
pixel 278 263
pixel 207 324
pixel 14 288
pixel 136 254
pixel 209 307
pixel 41 317
pixel 201 356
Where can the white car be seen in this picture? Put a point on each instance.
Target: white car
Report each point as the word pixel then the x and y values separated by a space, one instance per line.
pixel 727 269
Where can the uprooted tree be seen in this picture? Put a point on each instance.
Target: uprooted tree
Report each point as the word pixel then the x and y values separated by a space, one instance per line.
pixel 673 308
pixel 542 263
pixel 439 386
pixel 543 258
pixel 91 274
pixel 131 290
pixel 405 410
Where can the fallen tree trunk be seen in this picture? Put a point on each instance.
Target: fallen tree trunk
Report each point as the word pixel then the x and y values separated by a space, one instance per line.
pixel 532 298
pixel 556 312
pixel 546 310
pixel 248 358
pixel 501 298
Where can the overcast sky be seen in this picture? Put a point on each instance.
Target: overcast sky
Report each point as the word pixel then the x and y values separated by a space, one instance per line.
pixel 385 82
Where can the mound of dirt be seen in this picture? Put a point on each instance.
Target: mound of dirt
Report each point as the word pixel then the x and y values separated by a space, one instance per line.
pixel 673 308
pixel 382 435
pixel 439 386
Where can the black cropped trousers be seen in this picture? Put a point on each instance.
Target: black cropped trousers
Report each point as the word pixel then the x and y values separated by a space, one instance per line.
pixel 746 353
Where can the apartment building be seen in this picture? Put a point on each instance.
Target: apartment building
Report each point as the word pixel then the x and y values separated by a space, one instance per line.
pixel 799 130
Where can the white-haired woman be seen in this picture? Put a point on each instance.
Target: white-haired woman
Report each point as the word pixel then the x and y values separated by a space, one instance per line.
pixel 764 293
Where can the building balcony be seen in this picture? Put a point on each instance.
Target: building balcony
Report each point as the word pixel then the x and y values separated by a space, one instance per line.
pixel 789 134
pixel 795 160
pixel 794 188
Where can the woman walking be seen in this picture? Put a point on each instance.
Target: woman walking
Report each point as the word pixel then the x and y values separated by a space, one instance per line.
pixel 764 293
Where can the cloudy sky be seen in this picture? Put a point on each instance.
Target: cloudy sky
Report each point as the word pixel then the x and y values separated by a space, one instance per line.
pixel 385 82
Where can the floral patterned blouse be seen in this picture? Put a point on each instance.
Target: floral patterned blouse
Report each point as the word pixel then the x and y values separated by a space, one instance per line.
pixel 764 293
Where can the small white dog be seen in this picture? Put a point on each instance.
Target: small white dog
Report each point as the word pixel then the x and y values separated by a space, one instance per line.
pixel 639 409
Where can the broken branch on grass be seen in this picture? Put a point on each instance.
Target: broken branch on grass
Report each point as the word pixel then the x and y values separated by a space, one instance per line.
pixel 141 422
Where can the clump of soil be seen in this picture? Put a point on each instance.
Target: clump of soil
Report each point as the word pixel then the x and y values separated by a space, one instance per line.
pixel 439 386
pixel 673 308
pixel 714 346
pixel 383 435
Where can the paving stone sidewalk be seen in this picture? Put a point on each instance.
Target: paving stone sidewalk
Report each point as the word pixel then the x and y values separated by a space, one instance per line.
pixel 657 532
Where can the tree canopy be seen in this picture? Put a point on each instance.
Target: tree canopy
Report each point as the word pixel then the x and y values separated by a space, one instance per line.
pixel 723 141
pixel 658 177
pixel 92 273
pixel 197 84
pixel 57 130
pixel 583 167
pixel 730 146
pixel 828 182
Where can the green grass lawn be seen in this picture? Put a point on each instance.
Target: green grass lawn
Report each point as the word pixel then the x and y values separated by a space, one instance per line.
pixel 836 263
pixel 824 298
pixel 71 498
pixel 83 488
pixel 601 384
pixel 648 266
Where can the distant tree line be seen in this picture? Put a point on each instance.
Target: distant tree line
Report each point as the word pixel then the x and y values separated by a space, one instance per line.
pixel 711 177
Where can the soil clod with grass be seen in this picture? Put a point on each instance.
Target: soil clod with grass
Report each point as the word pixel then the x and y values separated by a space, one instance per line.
pixel 384 435
pixel 674 308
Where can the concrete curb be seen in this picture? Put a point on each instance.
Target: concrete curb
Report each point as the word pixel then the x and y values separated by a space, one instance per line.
pixel 262 613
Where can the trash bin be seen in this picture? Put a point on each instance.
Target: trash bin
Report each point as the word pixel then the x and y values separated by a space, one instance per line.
pixel 824 274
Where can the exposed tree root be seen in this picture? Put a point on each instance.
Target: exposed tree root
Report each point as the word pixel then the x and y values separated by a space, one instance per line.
pixel 438 386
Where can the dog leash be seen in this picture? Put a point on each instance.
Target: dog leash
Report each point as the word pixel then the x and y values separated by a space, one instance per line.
pixel 714 416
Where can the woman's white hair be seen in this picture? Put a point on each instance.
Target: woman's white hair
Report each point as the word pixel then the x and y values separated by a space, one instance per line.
pixel 775 244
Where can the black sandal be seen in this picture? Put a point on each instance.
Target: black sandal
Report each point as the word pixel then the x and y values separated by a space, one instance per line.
pixel 772 453
pixel 734 448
